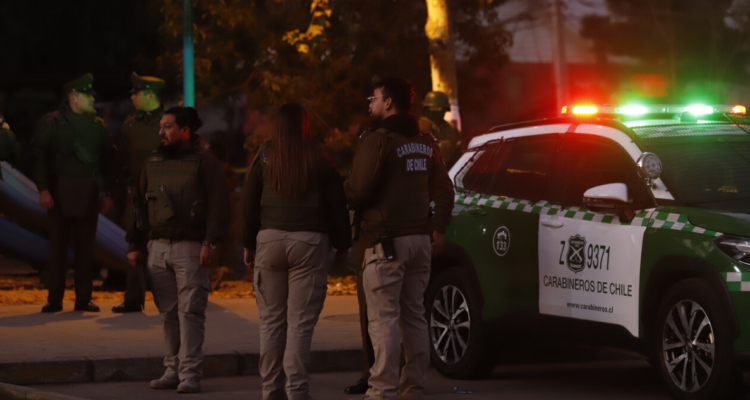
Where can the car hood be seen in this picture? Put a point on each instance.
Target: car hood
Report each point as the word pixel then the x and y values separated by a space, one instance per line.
pixel 720 221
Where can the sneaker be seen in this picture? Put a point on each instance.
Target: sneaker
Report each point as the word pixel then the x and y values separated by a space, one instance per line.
pixel 165 382
pixel 189 386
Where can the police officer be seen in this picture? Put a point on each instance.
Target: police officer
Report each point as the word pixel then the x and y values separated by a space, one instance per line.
pixel 294 213
pixel 9 147
pixel 140 136
pixel 396 173
pixel 73 151
pixel 181 214
pixel 433 121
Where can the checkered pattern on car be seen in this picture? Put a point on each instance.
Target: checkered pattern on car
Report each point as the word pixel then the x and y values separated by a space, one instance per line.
pixel 648 218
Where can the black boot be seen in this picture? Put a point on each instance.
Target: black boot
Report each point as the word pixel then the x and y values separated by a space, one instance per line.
pixel 90 307
pixel 126 308
pixel 52 307
pixel 359 387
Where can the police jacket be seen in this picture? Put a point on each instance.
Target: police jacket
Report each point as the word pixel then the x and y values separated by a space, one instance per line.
pixel 321 209
pixel 181 196
pixel 140 136
pixel 67 144
pixel 397 172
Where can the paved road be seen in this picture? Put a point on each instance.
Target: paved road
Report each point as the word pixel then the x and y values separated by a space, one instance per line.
pixel 231 326
pixel 617 379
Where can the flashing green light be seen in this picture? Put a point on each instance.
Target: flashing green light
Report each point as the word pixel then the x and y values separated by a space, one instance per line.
pixel 699 109
pixel 634 110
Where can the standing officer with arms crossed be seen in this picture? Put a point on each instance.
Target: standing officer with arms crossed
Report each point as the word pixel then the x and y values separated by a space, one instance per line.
pixel 140 136
pixel 182 212
pixel 73 150
pixel 396 173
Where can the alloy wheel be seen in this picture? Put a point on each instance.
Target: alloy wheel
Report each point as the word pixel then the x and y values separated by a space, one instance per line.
pixel 450 324
pixel 688 346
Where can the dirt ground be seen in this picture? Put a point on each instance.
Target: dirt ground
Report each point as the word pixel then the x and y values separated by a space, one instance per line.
pixel 17 290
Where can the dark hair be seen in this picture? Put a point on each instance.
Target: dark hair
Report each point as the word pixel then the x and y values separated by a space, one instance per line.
pixel 186 116
pixel 399 90
pixel 294 158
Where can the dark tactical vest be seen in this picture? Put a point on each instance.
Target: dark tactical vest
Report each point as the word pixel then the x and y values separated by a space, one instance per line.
pixel 176 197
pixel 402 195
pixel 301 214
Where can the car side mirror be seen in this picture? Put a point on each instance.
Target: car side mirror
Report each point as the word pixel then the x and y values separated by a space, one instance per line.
pixel 612 197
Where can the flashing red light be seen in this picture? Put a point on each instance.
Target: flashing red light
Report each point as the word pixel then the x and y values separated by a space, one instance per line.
pixel 738 109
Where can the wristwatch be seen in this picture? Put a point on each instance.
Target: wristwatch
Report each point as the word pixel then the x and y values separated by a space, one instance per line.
pixel 209 245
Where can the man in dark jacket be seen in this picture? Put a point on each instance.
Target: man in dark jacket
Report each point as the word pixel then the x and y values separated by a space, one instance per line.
pixel 181 214
pixel 73 151
pixel 140 136
pixel 396 174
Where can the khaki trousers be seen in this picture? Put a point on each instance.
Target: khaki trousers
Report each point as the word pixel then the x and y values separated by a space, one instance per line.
pixel 290 281
pixel 395 308
pixel 180 287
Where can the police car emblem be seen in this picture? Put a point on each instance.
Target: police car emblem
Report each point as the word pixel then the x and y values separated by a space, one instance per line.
pixel 576 253
pixel 501 241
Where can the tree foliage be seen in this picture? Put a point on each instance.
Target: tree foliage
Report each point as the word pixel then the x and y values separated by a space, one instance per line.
pixel 697 44
pixel 321 53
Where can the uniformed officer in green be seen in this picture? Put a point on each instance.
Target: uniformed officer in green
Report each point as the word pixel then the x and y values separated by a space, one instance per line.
pixel 396 173
pixel 181 214
pixel 140 136
pixel 74 154
pixel 433 121
pixel 9 147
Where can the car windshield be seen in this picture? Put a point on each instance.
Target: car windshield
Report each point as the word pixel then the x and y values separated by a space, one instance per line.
pixel 704 168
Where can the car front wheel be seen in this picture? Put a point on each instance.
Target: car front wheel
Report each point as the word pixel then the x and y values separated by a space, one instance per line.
pixel 694 351
pixel 458 345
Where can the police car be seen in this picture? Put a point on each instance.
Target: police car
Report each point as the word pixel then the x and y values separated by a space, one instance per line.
pixel 625 225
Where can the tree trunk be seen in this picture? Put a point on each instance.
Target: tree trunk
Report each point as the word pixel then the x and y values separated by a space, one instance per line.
pixel 443 56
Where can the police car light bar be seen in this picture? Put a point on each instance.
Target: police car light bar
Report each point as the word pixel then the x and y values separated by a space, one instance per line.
pixel 637 109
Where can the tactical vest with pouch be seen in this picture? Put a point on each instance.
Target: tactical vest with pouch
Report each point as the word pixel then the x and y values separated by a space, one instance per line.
pixel 175 195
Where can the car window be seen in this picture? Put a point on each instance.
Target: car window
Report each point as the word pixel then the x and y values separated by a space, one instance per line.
pixel 594 161
pixel 706 171
pixel 516 168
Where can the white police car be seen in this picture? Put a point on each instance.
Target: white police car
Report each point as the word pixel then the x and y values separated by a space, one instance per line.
pixel 625 225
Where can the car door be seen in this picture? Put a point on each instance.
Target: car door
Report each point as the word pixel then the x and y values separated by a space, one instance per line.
pixel 502 188
pixel 589 262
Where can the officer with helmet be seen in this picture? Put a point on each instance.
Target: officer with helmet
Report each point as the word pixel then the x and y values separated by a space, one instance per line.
pixel 433 121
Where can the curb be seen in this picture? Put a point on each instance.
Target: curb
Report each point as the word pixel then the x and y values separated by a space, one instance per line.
pixel 146 368
pixel 13 392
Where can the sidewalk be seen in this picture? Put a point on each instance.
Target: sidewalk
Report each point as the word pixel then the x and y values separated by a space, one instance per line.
pixel 73 346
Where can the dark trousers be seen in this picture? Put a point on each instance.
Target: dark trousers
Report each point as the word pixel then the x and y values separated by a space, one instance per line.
pixel 135 292
pixel 81 233
pixel 367 350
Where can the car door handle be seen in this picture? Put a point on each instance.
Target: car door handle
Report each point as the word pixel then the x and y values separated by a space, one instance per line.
pixel 477 211
pixel 552 223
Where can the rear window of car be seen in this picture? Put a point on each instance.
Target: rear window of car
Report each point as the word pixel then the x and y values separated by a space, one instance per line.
pixel 517 168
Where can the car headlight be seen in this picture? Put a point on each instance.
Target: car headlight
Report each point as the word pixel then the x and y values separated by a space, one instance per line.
pixel 736 247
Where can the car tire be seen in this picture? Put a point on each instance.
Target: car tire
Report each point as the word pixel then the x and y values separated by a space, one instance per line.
pixel 459 347
pixel 702 365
